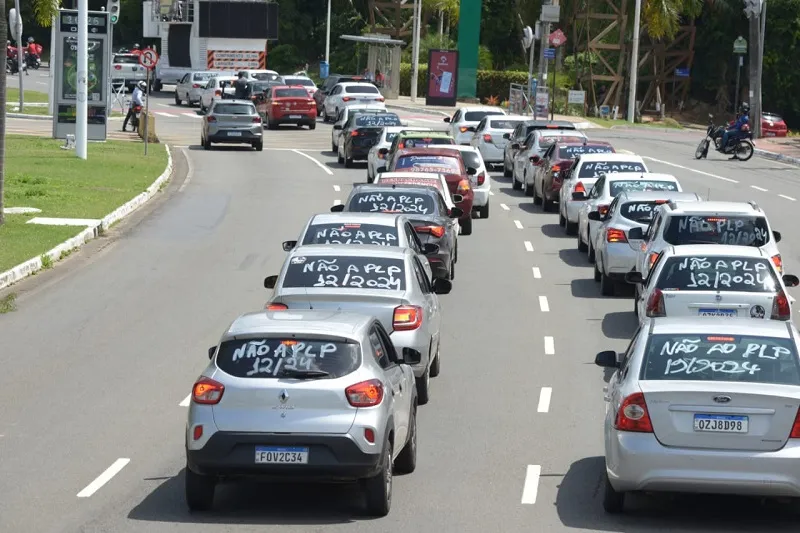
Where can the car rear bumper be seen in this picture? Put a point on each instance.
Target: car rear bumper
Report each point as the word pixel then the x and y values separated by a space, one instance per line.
pixel 463 138
pixel 573 209
pixel 491 153
pixel 480 198
pixel 247 136
pixel 330 457
pixel 360 153
pixel 305 117
pixel 637 461
pixel 619 258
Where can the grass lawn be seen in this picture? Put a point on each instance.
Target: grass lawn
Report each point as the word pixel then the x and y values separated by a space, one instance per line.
pixel 39 174
pixel 607 123
pixel 12 96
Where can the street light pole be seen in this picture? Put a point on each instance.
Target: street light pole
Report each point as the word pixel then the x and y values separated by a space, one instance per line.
pixel 83 78
pixel 328 36
pixel 20 57
pixel 634 62
pixel 415 50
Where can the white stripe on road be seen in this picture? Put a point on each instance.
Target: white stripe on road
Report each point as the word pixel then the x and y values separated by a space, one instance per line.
pixel 104 478
pixel 337 202
pixel 320 165
pixel 518 224
pixel 185 402
pixel 759 188
pixel 788 198
pixel 337 188
pixel 537 273
pixel 544 399
pixel 505 207
pixel 549 346
pixel 689 169
pixel 531 487
pixel 491 193
pixel 192 115
pixel 528 246
pixel 543 304
pixel 165 114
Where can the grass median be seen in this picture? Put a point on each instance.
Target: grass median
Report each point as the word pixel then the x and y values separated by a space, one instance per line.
pixel 33 97
pixel 39 174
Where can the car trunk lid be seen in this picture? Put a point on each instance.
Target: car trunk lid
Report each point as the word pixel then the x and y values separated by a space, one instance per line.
pixel 374 302
pixel 288 104
pixel 718 303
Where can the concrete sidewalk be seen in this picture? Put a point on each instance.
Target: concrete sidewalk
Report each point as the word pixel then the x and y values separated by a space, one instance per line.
pixel 784 149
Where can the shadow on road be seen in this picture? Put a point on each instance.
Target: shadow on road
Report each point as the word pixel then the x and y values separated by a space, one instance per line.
pixel 555 231
pixel 573 257
pixel 511 192
pixel 619 325
pixel 256 504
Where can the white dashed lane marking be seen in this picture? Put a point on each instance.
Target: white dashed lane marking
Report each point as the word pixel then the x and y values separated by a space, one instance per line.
pixel 518 224
pixel 759 188
pixel 549 346
pixel 544 399
pixel 528 246
pixel 337 188
pixel 185 401
pixel 531 487
pixel 505 207
pixel 690 169
pixel 544 305
pixel 104 478
pixel 537 273
pixel 337 202
pixel 788 198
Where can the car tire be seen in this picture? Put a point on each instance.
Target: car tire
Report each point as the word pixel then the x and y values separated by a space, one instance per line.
pixel 436 366
pixel 562 221
pixel 348 161
pixel 529 190
pixel 466 227
pixel 177 99
pixel 581 246
pixel 333 148
pixel 423 387
pixel 506 172
pixel 378 489
pixel 259 146
pixel 484 211
pixel 591 255
pixel 313 125
pixel 537 200
pixel 515 184
pixel 597 273
pixel 607 284
pixel 199 491
pixel 339 159
pixel 206 144
pixel 547 205
pixel 571 228
pixel 324 115
pixel 406 461
pixel 613 501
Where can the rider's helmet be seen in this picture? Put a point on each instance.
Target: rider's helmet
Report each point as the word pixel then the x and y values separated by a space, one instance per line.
pixel 136 46
pixel 744 108
pixel 142 85
pixel 30 40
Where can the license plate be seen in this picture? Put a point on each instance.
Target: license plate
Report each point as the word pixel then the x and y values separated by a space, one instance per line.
pixel 721 423
pixel 295 116
pixel 277 455
pixel 717 312
pixel 770 134
pixel 234 134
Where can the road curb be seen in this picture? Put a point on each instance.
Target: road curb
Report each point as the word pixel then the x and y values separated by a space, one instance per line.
pixel 30 267
pixel 29 117
pixel 777 157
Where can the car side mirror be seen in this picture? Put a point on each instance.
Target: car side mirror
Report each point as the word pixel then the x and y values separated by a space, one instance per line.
pixel 270 282
pixel 515 146
pixel 578 196
pixel 471 171
pixel 442 286
pixel 411 356
pixel 535 159
pixel 607 359
pixel 383 151
pixel 456 212
pixel 432 248
pixel 446 119
pixel 211 352
pixel 457 198
pixel 636 234
pixel 777 235
pixel 471 128
pixel 288 246
pixel 594 215
pixel 506 136
pixel 790 280
pixel 337 208
pixel 337 126
pixel 633 278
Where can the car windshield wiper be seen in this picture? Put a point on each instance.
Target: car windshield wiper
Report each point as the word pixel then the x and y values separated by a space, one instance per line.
pixel 304 374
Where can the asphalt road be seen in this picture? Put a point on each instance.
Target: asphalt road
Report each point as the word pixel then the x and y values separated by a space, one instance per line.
pixel 104 349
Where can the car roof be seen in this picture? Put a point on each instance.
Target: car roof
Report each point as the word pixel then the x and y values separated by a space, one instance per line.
pixel 425 134
pixel 583 143
pixel 720 326
pixel 430 151
pixel 716 250
pixel 299 321
pixel 743 208
pixel 232 101
pixel 402 187
pixel 652 176
pixel 410 175
pixel 459 147
pixel 356 250
pixel 398 129
pixel 352 83
pixel 350 217
pixel 659 195
pixel 611 157
pixel 467 109
pixel 517 118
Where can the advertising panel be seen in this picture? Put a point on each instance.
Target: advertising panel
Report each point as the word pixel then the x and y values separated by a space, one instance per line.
pixel 442 77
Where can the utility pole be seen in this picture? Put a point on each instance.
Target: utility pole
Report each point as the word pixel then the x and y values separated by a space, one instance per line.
pixel 20 56
pixel 634 74
pixel 753 9
pixel 328 36
pixel 415 50
pixel 761 62
pixel 81 124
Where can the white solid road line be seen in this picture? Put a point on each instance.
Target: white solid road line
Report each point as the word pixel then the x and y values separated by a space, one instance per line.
pixel 543 304
pixel 491 193
pixel 537 273
pixel 518 224
pixel 531 487
pixel 528 246
pixel 185 402
pixel 505 207
pixel 788 198
pixel 759 188
pixel 549 346
pixel 689 169
pixel 161 113
pixel 189 171
pixel 544 399
pixel 337 188
pixel 337 202
pixel 320 165
pixel 104 478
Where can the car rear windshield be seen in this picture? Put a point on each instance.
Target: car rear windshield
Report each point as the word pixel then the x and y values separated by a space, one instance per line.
pixel 259 87
pixel 593 169
pixel 711 229
pixel 477 116
pixel 738 274
pixel 546 140
pixel 617 186
pixel 283 357
pixel 641 212
pixel 569 152
pixel 265 76
pixel 498 124
pixel 234 109
pixel 422 142
pixel 126 60
pixel 377 121
pixel 300 81
pixel 471 159
pixel 428 163
pixel 741 358
pixel 361 89
pixel 355 272
pixel 291 93
pixel 352 233
pixel 392 202
pixel 202 76
pixel 427 182
pixel 390 136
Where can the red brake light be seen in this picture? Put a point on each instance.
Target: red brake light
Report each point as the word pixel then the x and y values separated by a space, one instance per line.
pixel 463 185
pixel 256 120
pixel 117 67
pixel 463 129
pixel 580 188
pixel 780 307
pixel 277 307
pixel 369 434
pixel 400 146
pixel 407 317
pixel 655 306
pixel 616 235
pixel 481 178
pixel 197 432
pixel 346 99
pixel 436 231
pixel 365 394
pixel 603 210
pixel 380 99
pixel 217 93
pixel 195 86
pixel 555 169
pixel 778 262
pixel 207 391
pixel 661 202
pixel 795 434
pixel 354 133
pixel 487 138
pixel 633 415
pixel 653 257
pixel 211 119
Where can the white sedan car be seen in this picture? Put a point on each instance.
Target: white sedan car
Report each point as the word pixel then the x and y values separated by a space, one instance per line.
pixel 465 119
pixel 214 89
pixel 531 152
pixel 348 93
pixel 344 114
pixel 489 137
pixel 375 159
pixel 481 184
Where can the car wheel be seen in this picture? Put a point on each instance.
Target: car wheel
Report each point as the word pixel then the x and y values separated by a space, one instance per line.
pixel 562 221
pixel 339 158
pixel 324 115
pixel 378 489
pixel 199 491
pixel 436 366
pixel 348 161
pixel 581 246
pixel 177 99
pixel 466 227
pixel 529 190
pixel 571 228
pixel 607 285
pixel 613 501
pixel 506 171
pixel 423 387
pixel 313 125
pixel 333 148
pixel 591 256
pixel 537 200
pixel 514 183
pixel 484 211
pixel 597 273
pixel 259 146
pixel 206 144
pixel 406 462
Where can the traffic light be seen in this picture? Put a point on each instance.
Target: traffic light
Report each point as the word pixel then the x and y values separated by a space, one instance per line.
pixel 113 10
pixel 752 8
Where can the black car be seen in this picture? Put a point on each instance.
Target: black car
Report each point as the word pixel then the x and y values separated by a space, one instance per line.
pixel 361 132
pixel 521 132
pixel 425 207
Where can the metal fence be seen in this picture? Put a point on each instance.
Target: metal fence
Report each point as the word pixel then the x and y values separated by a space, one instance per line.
pixel 518 101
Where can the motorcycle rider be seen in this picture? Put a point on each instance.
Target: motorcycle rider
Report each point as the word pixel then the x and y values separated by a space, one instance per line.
pixel 136 49
pixel 736 126
pixel 136 101
pixel 32 51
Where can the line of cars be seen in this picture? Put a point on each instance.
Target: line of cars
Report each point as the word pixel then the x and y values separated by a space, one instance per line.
pixel 324 383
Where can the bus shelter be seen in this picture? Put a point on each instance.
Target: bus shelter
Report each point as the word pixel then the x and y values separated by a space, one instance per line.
pixel 383 61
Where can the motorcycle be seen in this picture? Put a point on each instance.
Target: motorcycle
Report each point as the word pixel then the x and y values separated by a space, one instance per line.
pixel 137 110
pixel 739 144
pixel 33 61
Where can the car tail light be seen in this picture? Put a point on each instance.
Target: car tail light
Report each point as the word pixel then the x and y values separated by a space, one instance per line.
pixel 580 188
pixel 217 93
pixel 195 86
pixel 463 129
pixel 780 307
pixel 365 394
pixel 616 235
pixel 277 307
pixel 369 435
pixel 481 178
pixel 276 103
pixel 354 133
pixel 778 262
pixel 555 169
pixel 436 231
pixel 207 391
pixel 407 317
pixel 400 146
pixel 653 257
pixel 655 305
pixel 211 119
pixel 463 186
pixel 346 99
pixel 117 67
pixel 256 120
pixel 487 138
pixel 633 415
pixel 795 434
pixel 197 432
pixel 380 99
pixel 603 210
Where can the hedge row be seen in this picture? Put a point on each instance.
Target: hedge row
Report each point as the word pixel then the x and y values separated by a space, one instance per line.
pixel 490 82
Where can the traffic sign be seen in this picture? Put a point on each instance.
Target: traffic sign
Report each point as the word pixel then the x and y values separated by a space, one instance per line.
pixel 681 72
pixel 557 38
pixel 148 58
pixel 549 53
pixel 740 45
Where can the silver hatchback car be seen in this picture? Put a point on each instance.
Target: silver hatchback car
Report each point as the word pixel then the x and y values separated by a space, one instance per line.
pixel 315 395
pixel 704 406
pixel 232 122
pixel 388 283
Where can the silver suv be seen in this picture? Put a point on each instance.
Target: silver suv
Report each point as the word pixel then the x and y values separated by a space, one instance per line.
pixel 316 395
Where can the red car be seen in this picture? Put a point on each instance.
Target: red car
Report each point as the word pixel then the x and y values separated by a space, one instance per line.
pixel 283 104
pixel 446 162
pixel 555 164
pixel 772 125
